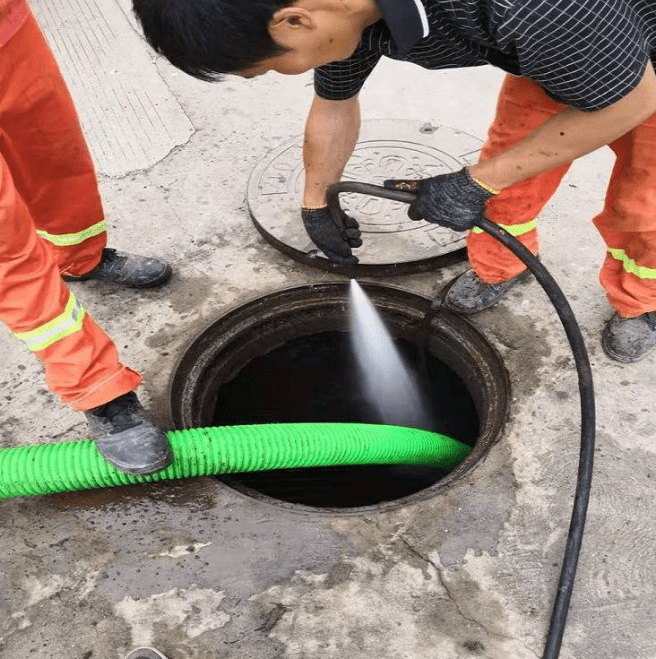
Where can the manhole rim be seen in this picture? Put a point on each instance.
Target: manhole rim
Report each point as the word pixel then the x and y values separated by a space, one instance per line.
pixel 198 358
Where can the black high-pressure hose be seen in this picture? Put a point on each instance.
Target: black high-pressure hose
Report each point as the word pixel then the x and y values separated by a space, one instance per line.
pixel 586 393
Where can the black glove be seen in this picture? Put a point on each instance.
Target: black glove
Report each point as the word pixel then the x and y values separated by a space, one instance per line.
pixel 334 240
pixel 452 200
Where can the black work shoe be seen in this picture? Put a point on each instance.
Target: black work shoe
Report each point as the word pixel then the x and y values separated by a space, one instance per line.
pixel 145 653
pixel 127 270
pixel 127 438
pixel 629 339
pixel 469 294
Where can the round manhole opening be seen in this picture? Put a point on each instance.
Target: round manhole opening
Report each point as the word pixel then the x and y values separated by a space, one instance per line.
pixel 288 358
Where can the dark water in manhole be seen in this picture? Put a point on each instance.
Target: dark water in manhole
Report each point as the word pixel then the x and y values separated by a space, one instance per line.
pixel 314 378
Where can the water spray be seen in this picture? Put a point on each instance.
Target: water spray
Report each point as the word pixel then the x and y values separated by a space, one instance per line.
pixel 586 393
pixel 387 381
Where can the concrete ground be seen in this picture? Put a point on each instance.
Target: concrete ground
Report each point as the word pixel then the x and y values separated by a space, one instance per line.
pixel 202 571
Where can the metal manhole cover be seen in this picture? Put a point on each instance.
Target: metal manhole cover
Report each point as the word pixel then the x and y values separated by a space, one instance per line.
pixel 392 243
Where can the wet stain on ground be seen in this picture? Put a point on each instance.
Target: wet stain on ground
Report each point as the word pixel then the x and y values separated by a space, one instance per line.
pixel 526 346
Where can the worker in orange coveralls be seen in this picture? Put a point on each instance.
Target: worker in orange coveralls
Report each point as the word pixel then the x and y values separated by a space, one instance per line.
pixel 52 227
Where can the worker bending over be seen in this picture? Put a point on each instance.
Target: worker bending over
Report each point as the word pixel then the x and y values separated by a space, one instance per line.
pixel 580 77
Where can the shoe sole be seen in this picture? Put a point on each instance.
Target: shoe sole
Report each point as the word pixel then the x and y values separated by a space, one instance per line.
pixel 142 471
pixel 145 653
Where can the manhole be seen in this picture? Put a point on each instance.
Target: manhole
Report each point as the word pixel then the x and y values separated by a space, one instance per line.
pixel 286 357
pixel 392 243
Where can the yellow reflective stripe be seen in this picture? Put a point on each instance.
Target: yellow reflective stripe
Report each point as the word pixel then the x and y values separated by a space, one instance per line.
pixel 66 323
pixel 67 239
pixel 631 266
pixel 514 229
pixel 485 186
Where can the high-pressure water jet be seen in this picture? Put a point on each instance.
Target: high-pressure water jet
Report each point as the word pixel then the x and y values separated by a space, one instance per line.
pixel 388 383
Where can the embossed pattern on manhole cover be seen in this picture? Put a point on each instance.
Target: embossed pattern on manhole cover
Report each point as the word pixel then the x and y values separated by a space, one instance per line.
pixel 391 241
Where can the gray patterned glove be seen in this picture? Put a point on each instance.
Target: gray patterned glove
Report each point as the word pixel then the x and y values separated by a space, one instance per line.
pixel 454 200
pixel 335 241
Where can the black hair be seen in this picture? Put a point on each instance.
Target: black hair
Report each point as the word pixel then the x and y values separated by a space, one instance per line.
pixel 206 38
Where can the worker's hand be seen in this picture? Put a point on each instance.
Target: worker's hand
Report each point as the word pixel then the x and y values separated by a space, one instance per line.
pixel 452 200
pixel 335 240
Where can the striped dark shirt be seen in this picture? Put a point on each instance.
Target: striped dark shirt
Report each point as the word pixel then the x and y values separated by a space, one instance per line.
pixel 584 53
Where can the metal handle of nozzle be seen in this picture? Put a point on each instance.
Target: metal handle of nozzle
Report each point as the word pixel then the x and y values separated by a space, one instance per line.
pixel 586 392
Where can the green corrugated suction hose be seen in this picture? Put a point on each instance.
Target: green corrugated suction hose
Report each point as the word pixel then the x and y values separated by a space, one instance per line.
pixel 68 466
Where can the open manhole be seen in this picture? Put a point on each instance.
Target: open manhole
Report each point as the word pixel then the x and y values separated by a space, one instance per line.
pixel 287 357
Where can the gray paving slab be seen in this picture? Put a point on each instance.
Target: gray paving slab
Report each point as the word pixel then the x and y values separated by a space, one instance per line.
pixel 129 116
pixel 204 572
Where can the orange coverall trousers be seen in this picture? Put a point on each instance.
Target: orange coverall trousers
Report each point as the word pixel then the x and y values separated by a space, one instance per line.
pixel 627 224
pixel 51 222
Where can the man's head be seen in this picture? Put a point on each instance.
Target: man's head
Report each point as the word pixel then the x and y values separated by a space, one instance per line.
pixel 206 38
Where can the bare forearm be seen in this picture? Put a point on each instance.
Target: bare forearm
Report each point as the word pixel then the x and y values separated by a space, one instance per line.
pixel 569 135
pixel 331 132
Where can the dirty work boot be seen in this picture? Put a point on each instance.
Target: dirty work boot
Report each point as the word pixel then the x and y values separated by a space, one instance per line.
pixel 127 270
pixel 469 294
pixel 629 339
pixel 127 438
pixel 145 653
